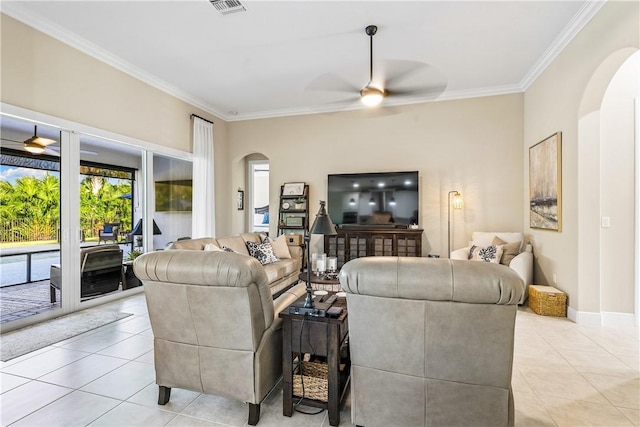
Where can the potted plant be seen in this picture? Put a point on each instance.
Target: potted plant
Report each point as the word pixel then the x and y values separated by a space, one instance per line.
pixel 134 254
pixel 299 203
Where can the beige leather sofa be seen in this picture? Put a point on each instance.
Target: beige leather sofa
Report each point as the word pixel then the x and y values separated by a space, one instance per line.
pixel 431 341
pixel 281 274
pixel 215 324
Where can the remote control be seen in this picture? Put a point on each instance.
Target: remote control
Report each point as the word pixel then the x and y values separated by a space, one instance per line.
pixel 331 299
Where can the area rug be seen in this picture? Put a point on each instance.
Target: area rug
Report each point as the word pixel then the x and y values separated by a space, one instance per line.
pixel 25 340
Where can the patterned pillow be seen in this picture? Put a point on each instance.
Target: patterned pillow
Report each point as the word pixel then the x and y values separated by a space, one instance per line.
pixel 263 252
pixel 487 254
pixel 227 249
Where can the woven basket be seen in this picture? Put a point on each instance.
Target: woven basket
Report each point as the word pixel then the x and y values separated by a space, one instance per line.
pixel 315 377
pixel 547 301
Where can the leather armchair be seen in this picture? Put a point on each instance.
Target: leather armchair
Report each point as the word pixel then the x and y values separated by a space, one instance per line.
pixel 215 325
pixel 521 263
pixel 431 341
pixel 100 271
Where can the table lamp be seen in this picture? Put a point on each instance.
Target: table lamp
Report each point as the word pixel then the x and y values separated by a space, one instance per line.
pixel 321 225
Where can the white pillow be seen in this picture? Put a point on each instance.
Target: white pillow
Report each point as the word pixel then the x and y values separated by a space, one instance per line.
pixel 280 247
pixel 212 247
pixel 486 254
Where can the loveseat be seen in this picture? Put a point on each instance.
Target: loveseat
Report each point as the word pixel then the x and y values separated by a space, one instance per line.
pixel 515 254
pixel 281 274
pixel 431 341
pixel 216 328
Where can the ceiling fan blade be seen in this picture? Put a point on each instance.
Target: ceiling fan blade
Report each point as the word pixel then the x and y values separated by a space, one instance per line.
pixel 431 91
pixel 397 71
pixel 331 83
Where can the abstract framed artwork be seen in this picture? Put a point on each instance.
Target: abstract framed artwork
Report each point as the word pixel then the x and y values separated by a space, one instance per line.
pixel 545 183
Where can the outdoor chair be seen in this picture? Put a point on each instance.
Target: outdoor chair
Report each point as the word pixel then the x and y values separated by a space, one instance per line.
pixel 101 271
pixel 109 231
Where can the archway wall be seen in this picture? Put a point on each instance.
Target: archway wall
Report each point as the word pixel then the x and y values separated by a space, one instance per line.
pixel 553 103
pixel 617 189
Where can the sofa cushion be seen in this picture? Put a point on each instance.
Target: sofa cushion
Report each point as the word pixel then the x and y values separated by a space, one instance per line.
pixel 280 247
pixel 288 266
pixel 194 244
pixel 487 253
pixel 236 243
pixel 274 271
pixel 509 250
pixel 263 252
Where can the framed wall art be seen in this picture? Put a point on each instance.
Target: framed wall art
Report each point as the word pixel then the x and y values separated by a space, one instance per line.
pixel 240 200
pixel 293 189
pixel 545 183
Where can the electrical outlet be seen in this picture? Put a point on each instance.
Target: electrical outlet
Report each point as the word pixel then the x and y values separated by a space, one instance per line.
pixel 606 222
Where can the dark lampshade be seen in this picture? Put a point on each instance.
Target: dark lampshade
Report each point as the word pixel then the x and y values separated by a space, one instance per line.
pixel 322 223
pixel 137 230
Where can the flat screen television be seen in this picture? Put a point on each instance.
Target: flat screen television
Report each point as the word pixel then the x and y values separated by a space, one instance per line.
pixel 377 199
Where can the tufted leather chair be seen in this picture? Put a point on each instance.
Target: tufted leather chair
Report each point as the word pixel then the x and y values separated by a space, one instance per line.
pixel 215 325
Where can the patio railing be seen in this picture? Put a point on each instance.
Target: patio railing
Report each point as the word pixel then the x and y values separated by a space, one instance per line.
pixel 23 230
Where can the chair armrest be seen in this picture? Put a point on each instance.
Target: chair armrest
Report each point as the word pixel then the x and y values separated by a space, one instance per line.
pixel 462 253
pixel 522 264
pixel 55 275
pixel 285 299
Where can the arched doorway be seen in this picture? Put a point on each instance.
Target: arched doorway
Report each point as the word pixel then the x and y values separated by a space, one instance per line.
pixel 608 191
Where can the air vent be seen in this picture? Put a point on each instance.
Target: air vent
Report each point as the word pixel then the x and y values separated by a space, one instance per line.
pixel 226 7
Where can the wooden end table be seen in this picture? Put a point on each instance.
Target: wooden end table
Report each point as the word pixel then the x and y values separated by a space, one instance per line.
pixel 322 283
pixel 324 337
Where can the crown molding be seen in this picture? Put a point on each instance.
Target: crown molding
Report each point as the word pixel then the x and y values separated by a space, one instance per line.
pixel 570 31
pixel 14 10
pixel 578 22
pixel 388 102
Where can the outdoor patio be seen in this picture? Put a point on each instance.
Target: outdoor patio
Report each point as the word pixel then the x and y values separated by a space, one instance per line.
pixel 24 288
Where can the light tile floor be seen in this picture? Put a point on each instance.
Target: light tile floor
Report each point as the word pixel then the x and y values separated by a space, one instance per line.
pixel 564 375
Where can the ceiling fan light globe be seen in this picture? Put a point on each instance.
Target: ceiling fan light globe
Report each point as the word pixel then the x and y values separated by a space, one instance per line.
pixel 371 96
pixel 34 147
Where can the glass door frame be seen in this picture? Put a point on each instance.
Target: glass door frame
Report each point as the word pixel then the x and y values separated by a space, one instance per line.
pixel 70 232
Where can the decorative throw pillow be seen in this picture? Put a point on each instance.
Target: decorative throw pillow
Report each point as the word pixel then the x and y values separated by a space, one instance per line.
pixel 280 247
pixel 212 247
pixel 486 254
pixel 263 252
pixel 228 249
pixel 509 250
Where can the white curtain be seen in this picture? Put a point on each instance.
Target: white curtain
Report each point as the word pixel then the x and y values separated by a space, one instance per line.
pixel 203 219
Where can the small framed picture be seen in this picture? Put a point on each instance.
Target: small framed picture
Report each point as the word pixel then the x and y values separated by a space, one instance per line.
pixel 240 200
pixel 294 221
pixel 293 189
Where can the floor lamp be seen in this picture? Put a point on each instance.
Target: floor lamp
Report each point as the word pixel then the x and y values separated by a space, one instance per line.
pixel 457 204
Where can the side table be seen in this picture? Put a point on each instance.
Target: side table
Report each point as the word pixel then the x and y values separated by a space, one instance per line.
pixel 319 336
pixel 130 280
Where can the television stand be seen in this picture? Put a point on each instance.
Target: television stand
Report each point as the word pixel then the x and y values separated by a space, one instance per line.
pixel 358 241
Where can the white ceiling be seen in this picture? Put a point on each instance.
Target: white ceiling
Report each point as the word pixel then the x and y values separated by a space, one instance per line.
pixel 298 57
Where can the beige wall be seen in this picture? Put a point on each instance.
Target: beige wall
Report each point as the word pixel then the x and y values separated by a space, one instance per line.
pixel 472 145
pixel 41 74
pixel 558 101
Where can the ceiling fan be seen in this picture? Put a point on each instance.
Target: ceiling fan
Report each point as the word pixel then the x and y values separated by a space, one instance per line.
pixel 37 144
pixel 399 78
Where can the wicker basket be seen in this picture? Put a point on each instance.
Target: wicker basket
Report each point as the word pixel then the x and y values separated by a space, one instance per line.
pixel 315 377
pixel 547 301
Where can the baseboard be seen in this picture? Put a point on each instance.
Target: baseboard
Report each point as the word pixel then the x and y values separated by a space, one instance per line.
pixel 620 320
pixel 587 318
pixel 604 318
